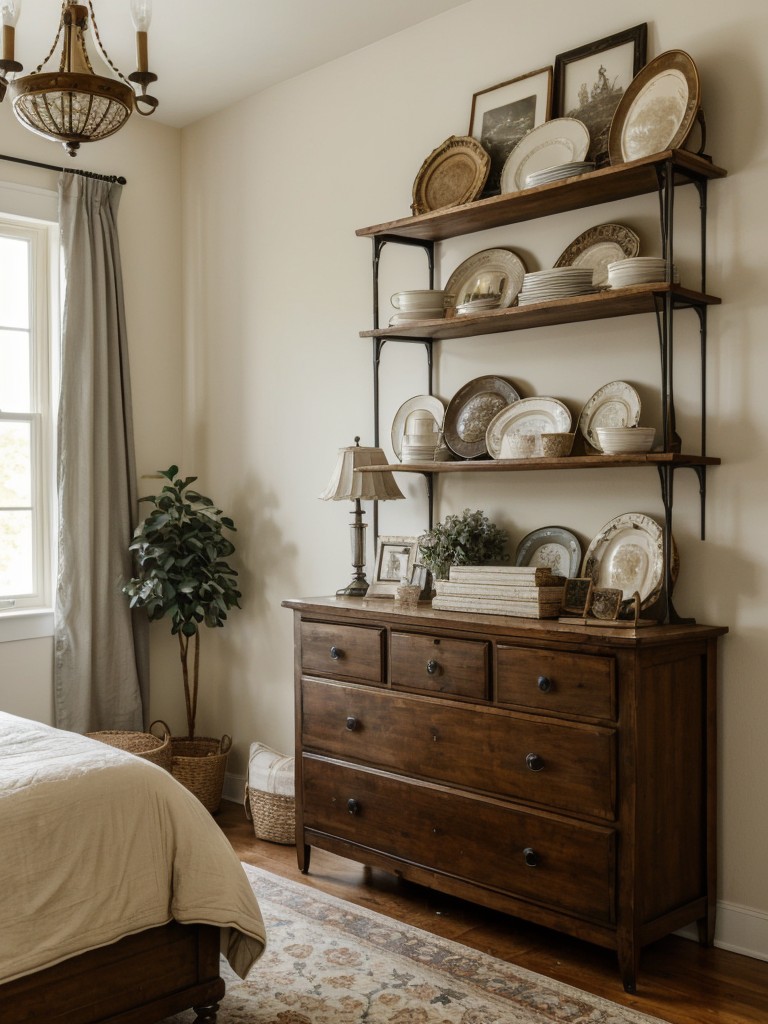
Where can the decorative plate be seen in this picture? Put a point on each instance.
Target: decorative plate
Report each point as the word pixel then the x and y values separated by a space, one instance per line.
pixel 597 247
pixel 491 273
pixel 628 554
pixel 528 416
pixel 613 405
pixel 418 403
pixel 552 547
pixel 471 410
pixel 452 174
pixel 658 109
pixel 563 140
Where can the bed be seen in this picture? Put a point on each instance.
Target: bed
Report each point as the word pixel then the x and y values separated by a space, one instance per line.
pixel 119 891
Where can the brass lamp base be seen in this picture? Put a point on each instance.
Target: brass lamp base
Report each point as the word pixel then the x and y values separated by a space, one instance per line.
pixel 357 588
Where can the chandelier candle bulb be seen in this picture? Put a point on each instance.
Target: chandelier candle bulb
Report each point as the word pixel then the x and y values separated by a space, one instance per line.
pixel 10 10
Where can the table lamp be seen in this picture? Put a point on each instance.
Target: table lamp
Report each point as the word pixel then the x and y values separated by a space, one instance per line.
pixel 347 484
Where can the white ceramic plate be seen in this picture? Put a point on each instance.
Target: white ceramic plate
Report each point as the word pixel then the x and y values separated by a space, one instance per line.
pixel 528 416
pixel 613 405
pixel 658 109
pixel 418 403
pixel 551 547
pixel 563 140
pixel 628 554
pixel 490 274
pixel 596 247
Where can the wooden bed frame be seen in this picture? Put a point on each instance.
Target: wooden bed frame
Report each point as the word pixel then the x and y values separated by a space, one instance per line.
pixel 141 979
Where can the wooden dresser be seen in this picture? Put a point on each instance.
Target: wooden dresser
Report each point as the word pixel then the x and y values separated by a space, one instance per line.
pixel 561 773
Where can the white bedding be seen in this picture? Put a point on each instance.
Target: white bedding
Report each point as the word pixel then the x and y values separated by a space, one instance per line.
pixel 96 844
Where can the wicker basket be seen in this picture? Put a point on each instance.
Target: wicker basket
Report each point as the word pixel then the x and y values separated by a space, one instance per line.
pixel 199 764
pixel 144 744
pixel 269 795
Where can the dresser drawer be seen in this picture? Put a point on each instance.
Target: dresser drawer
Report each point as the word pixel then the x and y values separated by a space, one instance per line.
pixel 574 684
pixel 564 864
pixel 442 665
pixel 355 652
pixel 567 766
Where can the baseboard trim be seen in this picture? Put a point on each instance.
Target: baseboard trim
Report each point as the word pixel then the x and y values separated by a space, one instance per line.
pixel 739 929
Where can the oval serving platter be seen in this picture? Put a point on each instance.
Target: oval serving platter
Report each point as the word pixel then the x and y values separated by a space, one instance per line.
pixel 553 547
pixel 563 140
pixel 528 416
pixel 454 173
pixel 471 410
pixel 597 247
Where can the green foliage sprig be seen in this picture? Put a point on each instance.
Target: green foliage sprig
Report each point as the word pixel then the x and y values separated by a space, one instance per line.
pixel 466 539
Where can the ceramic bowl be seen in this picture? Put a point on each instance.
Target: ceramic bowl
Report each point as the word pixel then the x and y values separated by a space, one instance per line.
pixel 518 446
pixel 625 440
pixel 556 446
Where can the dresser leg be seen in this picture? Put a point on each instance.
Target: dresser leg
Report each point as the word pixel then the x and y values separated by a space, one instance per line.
pixel 706 929
pixel 629 961
pixel 303 851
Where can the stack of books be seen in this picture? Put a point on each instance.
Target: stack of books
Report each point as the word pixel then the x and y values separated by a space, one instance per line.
pixel 531 592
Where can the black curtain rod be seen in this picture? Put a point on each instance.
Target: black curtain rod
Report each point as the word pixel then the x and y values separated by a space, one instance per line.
pixel 68 170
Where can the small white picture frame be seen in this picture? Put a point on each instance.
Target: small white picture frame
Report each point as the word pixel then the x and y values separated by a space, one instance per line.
pixel 395 558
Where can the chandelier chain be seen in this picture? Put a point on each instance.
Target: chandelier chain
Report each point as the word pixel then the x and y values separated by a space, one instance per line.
pixel 102 48
pixel 45 59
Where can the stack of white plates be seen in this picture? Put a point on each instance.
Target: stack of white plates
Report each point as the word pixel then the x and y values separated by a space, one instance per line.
pixel 639 270
pixel 475 306
pixel 425 453
pixel 544 285
pixel 548 174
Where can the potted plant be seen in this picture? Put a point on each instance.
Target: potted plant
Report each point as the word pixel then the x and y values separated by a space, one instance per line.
pixel 181 553
pixel 466 539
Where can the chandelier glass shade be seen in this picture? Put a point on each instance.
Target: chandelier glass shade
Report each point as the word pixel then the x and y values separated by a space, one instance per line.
pixel 74 104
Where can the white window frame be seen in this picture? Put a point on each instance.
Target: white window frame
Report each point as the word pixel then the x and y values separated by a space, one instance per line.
pixel 42 236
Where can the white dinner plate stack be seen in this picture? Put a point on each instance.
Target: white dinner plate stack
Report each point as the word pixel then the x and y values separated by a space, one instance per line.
pixel 639 270
pixel 477 306
pixel 545 285
pixel 548 174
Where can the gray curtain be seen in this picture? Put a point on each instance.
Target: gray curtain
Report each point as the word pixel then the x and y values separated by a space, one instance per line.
pixel 100 675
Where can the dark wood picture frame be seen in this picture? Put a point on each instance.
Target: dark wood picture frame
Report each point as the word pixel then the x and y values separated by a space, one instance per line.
pixel 502 114
pixel 577 593
pixel 590 80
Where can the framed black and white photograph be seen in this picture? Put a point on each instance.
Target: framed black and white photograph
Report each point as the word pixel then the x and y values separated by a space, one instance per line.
pixel 590 80
pixel 502 114
pixel 395 558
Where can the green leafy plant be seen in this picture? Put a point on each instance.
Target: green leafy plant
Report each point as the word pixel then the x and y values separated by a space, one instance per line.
pixel 181 551
pixel 466 539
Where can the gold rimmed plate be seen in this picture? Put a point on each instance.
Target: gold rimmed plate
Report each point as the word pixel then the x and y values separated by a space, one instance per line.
pixel 658 110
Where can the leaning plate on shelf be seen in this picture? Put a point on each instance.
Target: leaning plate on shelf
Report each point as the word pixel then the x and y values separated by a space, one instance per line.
pixel 420 415
pixel 452 174
pixel 471 410
pixel 560 141
pixel 540 415
pixel 613 405
pixel 492 276
pixel 658 109
pixel 628 553
pixel 551 547
pixel 597 247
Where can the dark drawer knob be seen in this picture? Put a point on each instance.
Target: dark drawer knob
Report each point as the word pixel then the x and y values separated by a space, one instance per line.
pixel 544 684
pixel 352 723
pixel 534 763
pixel 530 856
pixel 432 667
pixel 336 654
pixel 353 806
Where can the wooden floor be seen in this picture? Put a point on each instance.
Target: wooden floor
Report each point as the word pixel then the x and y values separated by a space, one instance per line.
pixel 679 981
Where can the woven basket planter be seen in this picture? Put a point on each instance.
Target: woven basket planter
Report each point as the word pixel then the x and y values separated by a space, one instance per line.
pixel 144 744
pixel 199 764
pixel 273 816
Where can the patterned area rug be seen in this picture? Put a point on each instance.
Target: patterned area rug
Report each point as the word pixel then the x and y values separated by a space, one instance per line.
pixel 331 962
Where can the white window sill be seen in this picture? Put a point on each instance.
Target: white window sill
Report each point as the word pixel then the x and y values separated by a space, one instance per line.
pixel 26 624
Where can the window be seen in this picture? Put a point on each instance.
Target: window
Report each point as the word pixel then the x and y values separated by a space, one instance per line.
pixel 27 317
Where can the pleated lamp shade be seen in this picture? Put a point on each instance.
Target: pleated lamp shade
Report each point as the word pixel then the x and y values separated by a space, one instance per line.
pixel 348 485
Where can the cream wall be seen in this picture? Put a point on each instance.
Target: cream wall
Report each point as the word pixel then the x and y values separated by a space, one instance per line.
pixel 277 287
pixel 148 156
